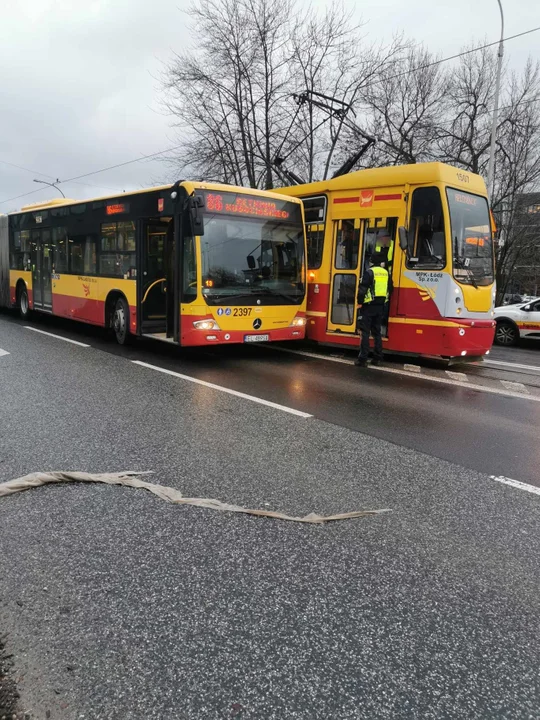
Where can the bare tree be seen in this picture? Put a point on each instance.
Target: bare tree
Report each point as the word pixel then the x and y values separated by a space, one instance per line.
pixel 405 103
pixel 334 61
pixel 232 97
pixel 225 97
pixel 465 142
pixel 232 102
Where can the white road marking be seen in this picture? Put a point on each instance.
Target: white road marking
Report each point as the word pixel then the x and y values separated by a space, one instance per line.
pixel 58 337
pixel 515 386
pixel 516 484
pixel 318 356
pixel 457 376
pixel 3 352
pixel 535 368
pixel 412 368
pixel 290 410
pixel 405 373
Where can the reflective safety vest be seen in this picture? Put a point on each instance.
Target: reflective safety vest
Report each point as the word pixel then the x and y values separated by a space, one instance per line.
pixel 379 289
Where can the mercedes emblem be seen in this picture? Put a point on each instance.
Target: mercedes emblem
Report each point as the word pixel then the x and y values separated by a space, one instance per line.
pixel 257 323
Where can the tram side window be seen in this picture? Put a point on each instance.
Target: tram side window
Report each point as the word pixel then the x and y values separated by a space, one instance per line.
pixel 117 249
pixel 60 245
pixel 427 244
pixel 315 214
pixel 347 244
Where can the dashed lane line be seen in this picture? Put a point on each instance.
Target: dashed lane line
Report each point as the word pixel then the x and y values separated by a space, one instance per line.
pixel 417 376
pixel 534 368
pixel 58 337
pixel 515 386
pixel 462 377
pixel 412 368
pixel 516 483
pixel 220 388
pixel 3 352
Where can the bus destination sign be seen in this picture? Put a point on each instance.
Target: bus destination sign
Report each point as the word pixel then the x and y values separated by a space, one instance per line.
pixel 246 205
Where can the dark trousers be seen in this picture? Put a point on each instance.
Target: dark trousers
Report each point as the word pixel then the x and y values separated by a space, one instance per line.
pixel 370 318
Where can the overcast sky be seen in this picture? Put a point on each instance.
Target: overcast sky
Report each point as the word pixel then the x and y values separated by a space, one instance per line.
pixel 79 88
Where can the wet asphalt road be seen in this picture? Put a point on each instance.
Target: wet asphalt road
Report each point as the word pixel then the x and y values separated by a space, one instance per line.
pixel 117 605
pixel 491 433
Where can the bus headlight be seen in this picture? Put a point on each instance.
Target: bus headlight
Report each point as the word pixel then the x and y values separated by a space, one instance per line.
pixel 206 325
pixel 298 322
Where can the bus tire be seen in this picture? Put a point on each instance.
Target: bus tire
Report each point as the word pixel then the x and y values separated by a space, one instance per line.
pixel 120 321
pixel 23 302
pixel 506 333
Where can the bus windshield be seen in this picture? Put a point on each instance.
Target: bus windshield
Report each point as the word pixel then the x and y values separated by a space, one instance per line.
pixel 248 260
pixel 472 242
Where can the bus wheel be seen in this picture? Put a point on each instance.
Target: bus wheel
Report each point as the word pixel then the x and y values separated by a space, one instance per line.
pixel 24 305
pixel 506 334
pixel 120 321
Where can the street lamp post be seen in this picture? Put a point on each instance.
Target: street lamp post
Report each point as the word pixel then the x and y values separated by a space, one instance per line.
pixel 53 184
pixel 491 166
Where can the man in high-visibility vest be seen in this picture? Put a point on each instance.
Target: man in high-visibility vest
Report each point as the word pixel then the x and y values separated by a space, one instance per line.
pixel 384 246
pixel 372 298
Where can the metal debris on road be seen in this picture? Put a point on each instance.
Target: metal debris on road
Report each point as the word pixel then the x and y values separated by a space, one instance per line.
pixel 131 479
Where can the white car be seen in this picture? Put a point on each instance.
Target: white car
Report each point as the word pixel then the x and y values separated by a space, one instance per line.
pixel 517 321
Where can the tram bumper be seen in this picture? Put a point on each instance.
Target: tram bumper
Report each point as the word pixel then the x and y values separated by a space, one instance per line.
pixel 466 338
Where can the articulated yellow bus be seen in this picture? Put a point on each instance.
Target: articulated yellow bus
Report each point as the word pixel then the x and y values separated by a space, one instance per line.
pixel 191 263
pixel 433 223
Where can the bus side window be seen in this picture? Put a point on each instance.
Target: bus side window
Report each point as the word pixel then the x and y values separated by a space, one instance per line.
pixel 60 245
pixel 427 245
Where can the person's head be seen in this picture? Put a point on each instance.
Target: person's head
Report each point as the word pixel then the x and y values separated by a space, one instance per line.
pixel 377 259
pixel 383 238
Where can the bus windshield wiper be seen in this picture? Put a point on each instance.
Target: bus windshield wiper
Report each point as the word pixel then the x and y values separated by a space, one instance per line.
pixel 269 291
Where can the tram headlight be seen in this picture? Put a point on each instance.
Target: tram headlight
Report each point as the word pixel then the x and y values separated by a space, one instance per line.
pixel 206 325
pixel 298 321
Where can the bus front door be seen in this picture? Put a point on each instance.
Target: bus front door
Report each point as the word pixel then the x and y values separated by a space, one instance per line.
pixel 41 269
pixel 153 282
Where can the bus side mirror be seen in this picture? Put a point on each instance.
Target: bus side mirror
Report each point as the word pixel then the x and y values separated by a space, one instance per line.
pixel 403 237
pixel 251 262
pixel 196 203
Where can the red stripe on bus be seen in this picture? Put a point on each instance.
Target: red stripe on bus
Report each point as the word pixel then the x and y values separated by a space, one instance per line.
pixel 346 200
pixel 397 196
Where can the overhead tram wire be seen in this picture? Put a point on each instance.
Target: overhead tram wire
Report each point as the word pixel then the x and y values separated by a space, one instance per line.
pixel 96 172
pixel 28 170
pixel 37 172
pixel 123 164
pixel 450 57
pixel 367 85
pixel 450 124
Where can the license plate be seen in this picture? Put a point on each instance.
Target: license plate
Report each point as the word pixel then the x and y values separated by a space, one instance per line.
pixel 256 338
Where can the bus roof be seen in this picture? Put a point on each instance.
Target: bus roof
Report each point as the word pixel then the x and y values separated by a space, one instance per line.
pixel 191 185
pixel 417 174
